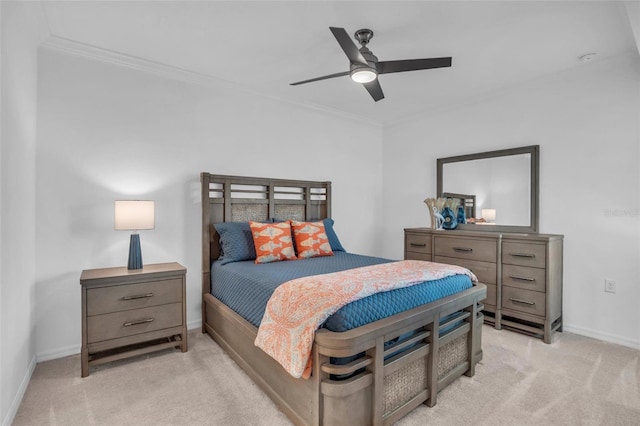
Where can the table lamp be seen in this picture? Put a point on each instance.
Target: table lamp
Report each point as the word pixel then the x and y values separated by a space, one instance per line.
pixel 134 215
pixel 489 215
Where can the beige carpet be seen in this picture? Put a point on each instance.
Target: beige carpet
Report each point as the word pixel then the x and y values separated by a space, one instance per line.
pixel 521 381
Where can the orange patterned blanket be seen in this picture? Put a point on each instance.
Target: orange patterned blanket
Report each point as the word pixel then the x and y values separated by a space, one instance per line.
pixel 298 307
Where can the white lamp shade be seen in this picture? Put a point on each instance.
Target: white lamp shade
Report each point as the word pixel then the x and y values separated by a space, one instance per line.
pixel 489 215
pixel 132 215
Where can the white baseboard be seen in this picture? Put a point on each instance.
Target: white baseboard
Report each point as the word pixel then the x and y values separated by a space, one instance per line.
pixel 15 404
pixel 75 349
pixel 58 353
pixel 607 337
pixel 192 325
pixel 197 325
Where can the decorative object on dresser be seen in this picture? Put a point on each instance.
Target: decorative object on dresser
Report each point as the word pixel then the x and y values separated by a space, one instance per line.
pixel 446 212
pixel 522 272
pixel 127 313
pixel 461 216
pixel 134 215
pixel 394 362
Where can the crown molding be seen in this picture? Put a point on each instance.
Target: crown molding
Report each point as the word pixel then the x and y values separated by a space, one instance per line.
pixel 68 46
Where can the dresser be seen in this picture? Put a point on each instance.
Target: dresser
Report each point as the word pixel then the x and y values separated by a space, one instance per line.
pixel 132 312
pixel 522 272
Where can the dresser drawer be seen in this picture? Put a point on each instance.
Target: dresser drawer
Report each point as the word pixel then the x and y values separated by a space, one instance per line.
pixel 466 248
pixel 127 323
pixel 524 277
pixel 524 254
pixel 102 300
pixel 418 243
pixel 411 255
pixel 484 271
pixel 531 302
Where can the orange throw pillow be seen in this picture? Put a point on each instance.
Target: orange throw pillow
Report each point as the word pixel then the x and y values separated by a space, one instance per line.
pixel 272 241
pixel 311 239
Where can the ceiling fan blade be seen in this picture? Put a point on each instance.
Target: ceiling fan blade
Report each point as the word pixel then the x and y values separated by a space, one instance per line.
pixel 386 67
pixel 374 89
pixel 349 47
pixel 324 77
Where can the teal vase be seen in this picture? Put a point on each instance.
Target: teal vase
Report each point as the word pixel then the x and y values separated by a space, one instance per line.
pixel 450 220
pixel 462 217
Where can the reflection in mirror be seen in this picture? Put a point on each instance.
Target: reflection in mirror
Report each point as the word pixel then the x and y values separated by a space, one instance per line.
pixel 466 200
pixel 504 184
pixel 500 184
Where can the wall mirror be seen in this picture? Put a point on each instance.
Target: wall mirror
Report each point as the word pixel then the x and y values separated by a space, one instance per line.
pixel 499 189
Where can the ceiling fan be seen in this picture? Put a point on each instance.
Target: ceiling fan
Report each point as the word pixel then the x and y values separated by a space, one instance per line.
pixel 365 66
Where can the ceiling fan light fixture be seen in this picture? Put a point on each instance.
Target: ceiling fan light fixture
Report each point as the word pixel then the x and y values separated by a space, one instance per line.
pixel 364 65
pixel 363 75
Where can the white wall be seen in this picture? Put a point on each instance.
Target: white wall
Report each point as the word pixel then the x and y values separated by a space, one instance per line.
pixel 20 36
pixel 108 132
pixel 586 123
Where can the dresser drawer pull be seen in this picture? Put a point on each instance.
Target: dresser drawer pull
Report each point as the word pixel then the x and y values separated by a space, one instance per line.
pixel 138 296
pixel 463 249
pixel 144 321
pixel 515 277
pixel 417 245
pixel 525 302
pixel 527 255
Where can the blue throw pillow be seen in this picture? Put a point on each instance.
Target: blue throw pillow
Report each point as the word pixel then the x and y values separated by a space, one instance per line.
pixel 334 242
pixel 236 242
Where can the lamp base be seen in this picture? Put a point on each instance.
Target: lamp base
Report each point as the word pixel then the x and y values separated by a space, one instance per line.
pixel 135 254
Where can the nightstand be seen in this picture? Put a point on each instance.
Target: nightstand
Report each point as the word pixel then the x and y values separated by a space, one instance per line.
pixel 132 312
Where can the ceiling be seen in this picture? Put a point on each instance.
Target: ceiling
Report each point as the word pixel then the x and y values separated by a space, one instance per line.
pixel 263 46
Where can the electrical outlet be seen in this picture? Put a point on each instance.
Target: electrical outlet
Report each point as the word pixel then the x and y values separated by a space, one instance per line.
pixel 609 285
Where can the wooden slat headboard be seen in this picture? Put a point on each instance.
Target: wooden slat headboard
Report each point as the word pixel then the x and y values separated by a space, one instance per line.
pixel 241 199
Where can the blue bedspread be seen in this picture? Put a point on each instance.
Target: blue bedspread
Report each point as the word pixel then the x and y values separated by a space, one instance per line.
pixel 246 288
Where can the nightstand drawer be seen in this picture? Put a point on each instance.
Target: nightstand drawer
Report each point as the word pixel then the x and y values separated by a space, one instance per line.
pixel 467 248
pixel 484 271
pixel 524 277
pixel 531 302
pixel 418 243
pixel 103 300
pixel 127 323
pixel 524 254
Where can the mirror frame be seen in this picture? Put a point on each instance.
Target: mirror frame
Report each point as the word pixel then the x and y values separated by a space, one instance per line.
pixel 535 187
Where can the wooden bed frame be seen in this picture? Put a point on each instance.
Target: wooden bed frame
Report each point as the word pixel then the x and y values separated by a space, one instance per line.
pixel 384 388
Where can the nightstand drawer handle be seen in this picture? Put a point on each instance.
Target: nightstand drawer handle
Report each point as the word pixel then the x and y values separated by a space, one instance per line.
pixel 464 249
pixel 138 296
pixel 522 301
pixel 417 245
pixel 144 321
pixel 528 255
pixel 515 277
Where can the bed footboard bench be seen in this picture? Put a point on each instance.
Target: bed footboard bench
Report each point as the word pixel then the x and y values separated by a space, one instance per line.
pixel 383 385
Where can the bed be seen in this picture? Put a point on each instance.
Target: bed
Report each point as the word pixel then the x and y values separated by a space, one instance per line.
pixel 374 373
